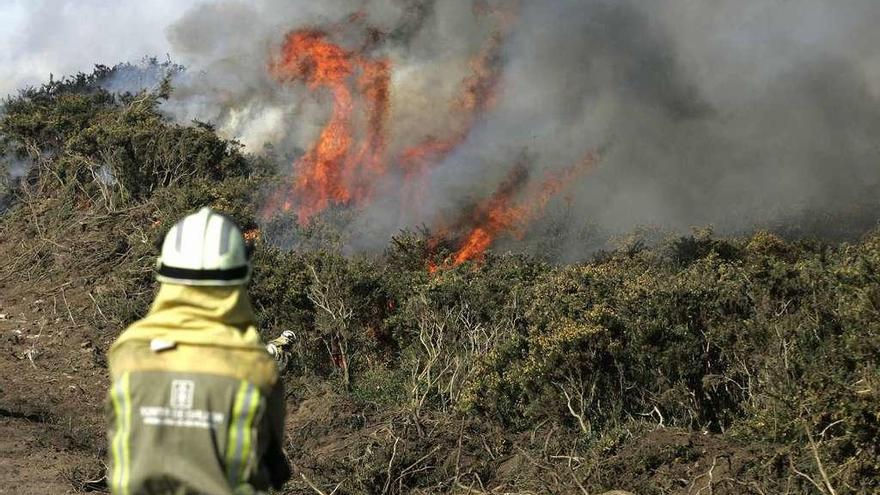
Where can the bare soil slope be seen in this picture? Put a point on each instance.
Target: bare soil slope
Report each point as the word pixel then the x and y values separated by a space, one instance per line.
pixel 51 425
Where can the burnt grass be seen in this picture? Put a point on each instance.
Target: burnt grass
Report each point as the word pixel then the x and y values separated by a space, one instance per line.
pixel 695 365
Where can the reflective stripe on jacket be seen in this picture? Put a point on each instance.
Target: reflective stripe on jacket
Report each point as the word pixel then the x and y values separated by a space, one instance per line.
pixel 195 406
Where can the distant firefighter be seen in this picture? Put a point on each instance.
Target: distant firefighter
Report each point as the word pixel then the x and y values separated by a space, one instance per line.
pixel 196 403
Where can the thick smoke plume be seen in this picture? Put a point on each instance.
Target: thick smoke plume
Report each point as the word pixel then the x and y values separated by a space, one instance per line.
pixel 735 114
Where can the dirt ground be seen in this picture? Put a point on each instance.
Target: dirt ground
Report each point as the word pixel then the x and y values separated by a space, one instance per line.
pixel 31 464
pixel 51 392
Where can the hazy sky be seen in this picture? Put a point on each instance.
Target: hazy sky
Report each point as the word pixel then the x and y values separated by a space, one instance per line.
pixel 66 36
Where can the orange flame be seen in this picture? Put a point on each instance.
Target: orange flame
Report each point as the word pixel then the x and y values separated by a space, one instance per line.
pixel 349 157
pixel 373 83
pixel 501 214
pixel 334 170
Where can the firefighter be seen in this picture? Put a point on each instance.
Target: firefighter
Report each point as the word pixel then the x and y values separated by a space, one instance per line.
pixel 196 405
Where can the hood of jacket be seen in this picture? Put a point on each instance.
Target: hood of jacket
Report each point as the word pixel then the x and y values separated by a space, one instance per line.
pixel 216 316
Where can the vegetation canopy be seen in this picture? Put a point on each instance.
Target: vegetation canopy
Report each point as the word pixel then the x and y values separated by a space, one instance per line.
pixel 698 364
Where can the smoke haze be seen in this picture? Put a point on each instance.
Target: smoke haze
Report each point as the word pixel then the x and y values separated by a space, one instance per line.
pixel 732 113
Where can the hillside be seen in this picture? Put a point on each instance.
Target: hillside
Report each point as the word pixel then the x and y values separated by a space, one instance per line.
pixel 698 364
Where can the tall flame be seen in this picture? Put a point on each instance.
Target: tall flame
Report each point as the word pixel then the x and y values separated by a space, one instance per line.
pixel 350 156
pixel 344 164
pixel 336 170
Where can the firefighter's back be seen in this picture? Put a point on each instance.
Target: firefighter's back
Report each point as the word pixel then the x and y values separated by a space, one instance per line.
pixel 195 405
pixel 188 419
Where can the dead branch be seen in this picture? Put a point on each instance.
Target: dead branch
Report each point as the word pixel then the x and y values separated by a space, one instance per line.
pixel 337 336
pixel 315 488
pixel 707 474
pixel 815 450
pixel 390 463
pixel 806 476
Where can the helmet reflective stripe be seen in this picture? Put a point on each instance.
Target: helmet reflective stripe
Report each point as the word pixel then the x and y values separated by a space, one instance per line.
pixel 205 248
pixel 225 238
pixel 178 243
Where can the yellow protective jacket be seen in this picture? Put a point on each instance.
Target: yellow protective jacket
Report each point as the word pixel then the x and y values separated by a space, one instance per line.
pixel 196 406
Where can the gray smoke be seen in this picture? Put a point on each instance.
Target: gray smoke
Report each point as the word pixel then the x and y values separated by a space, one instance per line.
pixel 732 113
pixel 12 170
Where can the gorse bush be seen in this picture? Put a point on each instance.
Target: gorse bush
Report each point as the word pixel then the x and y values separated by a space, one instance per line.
pixel 109 174
pixel 115 150
pixel 758 340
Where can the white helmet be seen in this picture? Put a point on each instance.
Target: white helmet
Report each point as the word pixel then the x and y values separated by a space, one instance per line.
pixel 205 248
